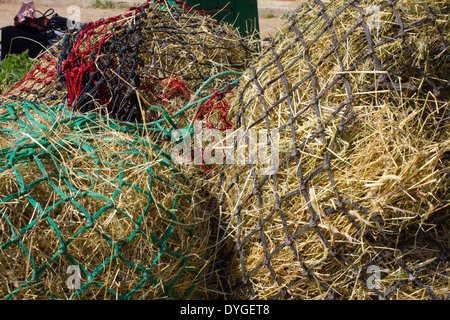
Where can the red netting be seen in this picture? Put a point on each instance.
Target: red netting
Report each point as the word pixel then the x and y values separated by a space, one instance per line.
pixel 215 104
pixel 43 73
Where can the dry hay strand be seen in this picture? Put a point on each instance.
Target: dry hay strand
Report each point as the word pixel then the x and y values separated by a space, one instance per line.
pixel 76 191
pixel 149 62
pixel 355 98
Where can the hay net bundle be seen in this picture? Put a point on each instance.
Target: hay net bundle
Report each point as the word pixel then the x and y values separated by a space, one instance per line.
pixel 156 64
pixel 350 199
pixel 96 193
pixel 91 210
pixel 152 63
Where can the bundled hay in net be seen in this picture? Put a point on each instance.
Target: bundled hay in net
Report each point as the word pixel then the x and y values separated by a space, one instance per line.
pixel 91 210
pixel 351 199
pixel 93 200
pixel 149 62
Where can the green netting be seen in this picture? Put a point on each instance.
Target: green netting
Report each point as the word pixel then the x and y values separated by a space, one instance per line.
pixel 85 191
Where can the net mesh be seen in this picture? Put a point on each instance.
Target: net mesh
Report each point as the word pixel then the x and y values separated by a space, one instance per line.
pixel 325 225
pixel 41 84
pixel 84 192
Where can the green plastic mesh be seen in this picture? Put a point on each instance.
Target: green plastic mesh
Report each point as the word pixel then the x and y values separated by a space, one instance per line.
pixel 81 192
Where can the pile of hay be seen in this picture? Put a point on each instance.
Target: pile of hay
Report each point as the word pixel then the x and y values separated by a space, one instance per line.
pixel 354 96
pixel 78 189
pixel 151 61
pixel 41 84
pixel 350 201
pixel 86 192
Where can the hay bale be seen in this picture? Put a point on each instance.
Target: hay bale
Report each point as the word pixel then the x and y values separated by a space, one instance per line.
pixel 101 195
pixel 354 96
pixel 148 64
pixel 150 61
pixel 85 192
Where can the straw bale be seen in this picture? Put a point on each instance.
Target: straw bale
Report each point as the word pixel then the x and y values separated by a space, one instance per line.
pixel 355 97
pixel 76 191
pixel 170 54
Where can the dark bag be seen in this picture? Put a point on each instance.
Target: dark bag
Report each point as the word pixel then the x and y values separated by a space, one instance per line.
pixel 26 17
pixel 17 40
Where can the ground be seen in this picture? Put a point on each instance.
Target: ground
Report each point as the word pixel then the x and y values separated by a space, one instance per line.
pixel 269 23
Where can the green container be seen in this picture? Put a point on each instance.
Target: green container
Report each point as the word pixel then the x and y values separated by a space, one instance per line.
pixel 242 14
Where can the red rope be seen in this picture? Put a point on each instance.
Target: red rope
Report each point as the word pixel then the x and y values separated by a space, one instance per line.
pixel 221 106
pixel 174 86
pixel 171 87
